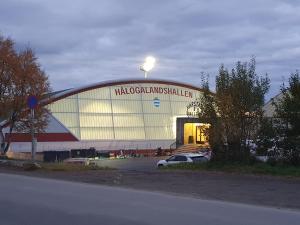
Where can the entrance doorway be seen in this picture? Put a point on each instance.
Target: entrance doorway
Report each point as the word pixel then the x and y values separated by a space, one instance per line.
pixel 196 133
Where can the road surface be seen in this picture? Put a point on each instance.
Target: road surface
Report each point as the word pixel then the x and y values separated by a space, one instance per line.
pixel 35 201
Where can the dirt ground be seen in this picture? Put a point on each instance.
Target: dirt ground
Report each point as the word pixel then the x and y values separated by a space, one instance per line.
pixel 250 189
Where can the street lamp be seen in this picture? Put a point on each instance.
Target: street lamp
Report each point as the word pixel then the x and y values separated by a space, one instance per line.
pixel 148 65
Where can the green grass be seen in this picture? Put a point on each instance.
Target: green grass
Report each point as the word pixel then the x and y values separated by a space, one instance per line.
pixel 257 168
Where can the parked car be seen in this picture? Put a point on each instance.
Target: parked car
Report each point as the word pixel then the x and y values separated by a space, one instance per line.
pixel 183 158
pixel 206 152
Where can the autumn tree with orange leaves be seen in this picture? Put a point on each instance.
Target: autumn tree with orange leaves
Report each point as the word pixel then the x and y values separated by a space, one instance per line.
pixel 20 76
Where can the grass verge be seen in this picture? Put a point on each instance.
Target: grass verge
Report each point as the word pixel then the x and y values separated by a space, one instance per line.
pixel 257 168
pixel 30 166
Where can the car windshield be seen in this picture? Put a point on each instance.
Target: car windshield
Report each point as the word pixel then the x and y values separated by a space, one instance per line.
pixel 171 158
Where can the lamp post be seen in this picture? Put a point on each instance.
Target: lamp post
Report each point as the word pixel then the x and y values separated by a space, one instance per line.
pixel 148 65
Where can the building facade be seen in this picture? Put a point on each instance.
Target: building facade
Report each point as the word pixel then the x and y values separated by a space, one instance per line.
pixel 122 114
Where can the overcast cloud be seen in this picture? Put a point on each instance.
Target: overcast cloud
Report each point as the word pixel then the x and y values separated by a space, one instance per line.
pixel 82 42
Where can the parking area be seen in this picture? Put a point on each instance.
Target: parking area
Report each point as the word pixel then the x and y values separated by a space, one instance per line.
pixel 137 164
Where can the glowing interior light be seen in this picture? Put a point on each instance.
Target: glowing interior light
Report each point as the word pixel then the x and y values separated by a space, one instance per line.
pixel 148 64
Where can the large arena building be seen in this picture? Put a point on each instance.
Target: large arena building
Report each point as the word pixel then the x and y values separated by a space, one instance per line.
pixel 121 114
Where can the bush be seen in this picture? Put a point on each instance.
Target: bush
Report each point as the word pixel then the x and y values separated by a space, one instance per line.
pixel 272 161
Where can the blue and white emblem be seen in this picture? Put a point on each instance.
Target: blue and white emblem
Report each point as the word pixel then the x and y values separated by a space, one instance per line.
pixel 156 102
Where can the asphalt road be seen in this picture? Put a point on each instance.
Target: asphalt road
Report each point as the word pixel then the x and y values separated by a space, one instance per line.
pixel 35 201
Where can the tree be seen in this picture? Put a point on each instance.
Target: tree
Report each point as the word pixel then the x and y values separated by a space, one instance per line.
pixel 288 111
pixel 234 110
pixel 266 137
pixel 20 77
pixel 208 113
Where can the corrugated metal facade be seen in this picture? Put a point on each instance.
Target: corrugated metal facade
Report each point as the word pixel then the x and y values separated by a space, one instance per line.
pixel 140 111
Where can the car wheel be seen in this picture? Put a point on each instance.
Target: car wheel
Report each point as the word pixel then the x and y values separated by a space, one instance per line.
pixel 160 165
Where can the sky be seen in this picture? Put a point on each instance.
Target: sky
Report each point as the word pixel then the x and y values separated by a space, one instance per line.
pixel 88 41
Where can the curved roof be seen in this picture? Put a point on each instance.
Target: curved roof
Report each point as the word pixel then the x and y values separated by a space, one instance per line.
pixel 55 96
pixel 66 93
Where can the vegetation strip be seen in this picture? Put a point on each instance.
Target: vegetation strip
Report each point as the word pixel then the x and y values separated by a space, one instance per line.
pixel 258 168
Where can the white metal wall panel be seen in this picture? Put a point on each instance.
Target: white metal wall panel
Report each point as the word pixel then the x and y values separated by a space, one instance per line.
pixel 100 93
pixel 129 133
pixel 158 120
pixel 95 120
pixel 96 133
pixel 179 108
pixel 94 106
pixel 122 106
pixel 67 119
pixel 64 105
pixel 135 120
pixel 159 133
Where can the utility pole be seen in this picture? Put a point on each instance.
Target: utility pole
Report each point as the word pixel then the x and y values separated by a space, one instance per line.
pixel 32 103
pixel 33 139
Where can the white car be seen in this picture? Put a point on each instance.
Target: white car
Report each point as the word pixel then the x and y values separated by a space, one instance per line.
pixel 77 161
pixel 183 158
pixel 206 153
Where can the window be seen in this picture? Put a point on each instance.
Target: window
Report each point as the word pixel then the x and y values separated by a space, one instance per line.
pixel 199 159
pixel 180 158
pixel 171 158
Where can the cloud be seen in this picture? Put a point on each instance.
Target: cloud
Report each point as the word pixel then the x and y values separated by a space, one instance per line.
pixel 81 42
